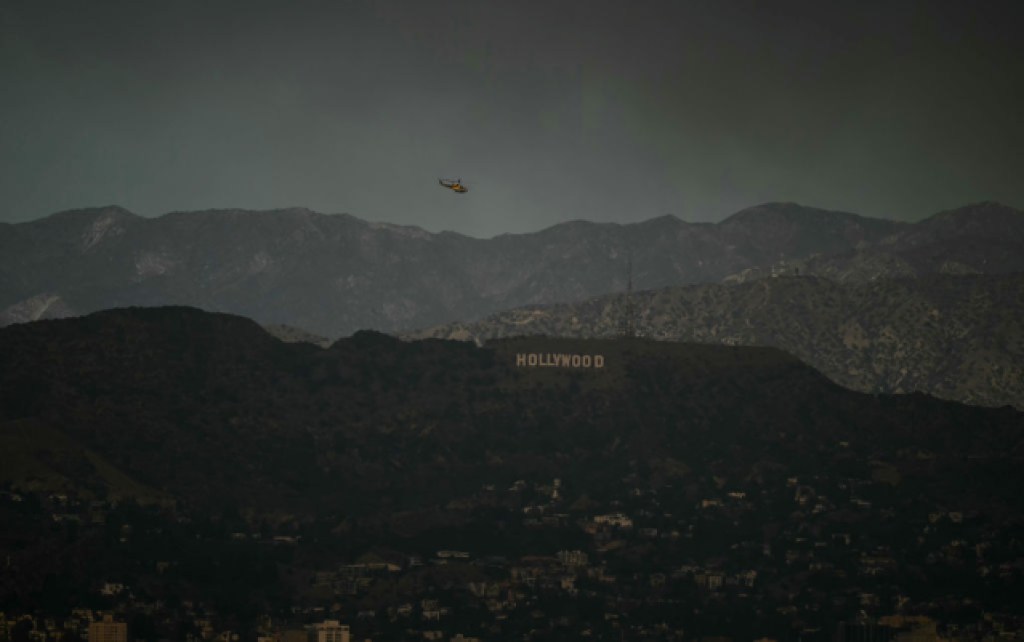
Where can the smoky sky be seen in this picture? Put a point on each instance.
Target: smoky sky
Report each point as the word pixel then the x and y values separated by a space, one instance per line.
pixel 549 111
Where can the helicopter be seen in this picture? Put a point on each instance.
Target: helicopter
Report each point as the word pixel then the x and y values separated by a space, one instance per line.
pixel 454 185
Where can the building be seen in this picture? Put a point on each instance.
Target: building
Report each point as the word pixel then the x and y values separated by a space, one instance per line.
pixel 107 630
pixel 328 631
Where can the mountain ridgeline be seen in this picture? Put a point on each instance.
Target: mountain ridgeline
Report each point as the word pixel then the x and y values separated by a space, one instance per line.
pixel 984 238
pixel 335 274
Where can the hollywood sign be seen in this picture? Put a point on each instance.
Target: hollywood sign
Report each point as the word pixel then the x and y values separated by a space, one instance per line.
pixel 558 360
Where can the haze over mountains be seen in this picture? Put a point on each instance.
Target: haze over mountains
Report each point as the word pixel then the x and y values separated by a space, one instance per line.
pixel 334 274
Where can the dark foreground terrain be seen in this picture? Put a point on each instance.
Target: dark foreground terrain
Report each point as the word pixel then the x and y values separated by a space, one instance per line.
pixel 193 475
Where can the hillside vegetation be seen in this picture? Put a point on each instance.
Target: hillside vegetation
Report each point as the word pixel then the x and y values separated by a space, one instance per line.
pixel 955 337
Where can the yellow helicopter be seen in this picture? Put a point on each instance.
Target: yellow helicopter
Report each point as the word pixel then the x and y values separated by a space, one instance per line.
pixel 454 185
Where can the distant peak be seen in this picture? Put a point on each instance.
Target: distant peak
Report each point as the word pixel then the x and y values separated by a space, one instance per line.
pixel 281 212
pixel 786 210
pixel 412 231
pixel 773 207
pixel 982 208
pixel 576 222
pixel 664 218
pixel 236 211
pixel 114 211
pixel 579 223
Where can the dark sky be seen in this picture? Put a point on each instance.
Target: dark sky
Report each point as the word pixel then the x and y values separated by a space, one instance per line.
pixel 608 111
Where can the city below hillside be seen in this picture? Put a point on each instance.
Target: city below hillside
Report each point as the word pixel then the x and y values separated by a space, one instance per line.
pixel 199 477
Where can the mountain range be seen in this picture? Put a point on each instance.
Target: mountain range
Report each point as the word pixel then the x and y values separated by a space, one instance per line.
pixel 335 274
pixel 984 238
